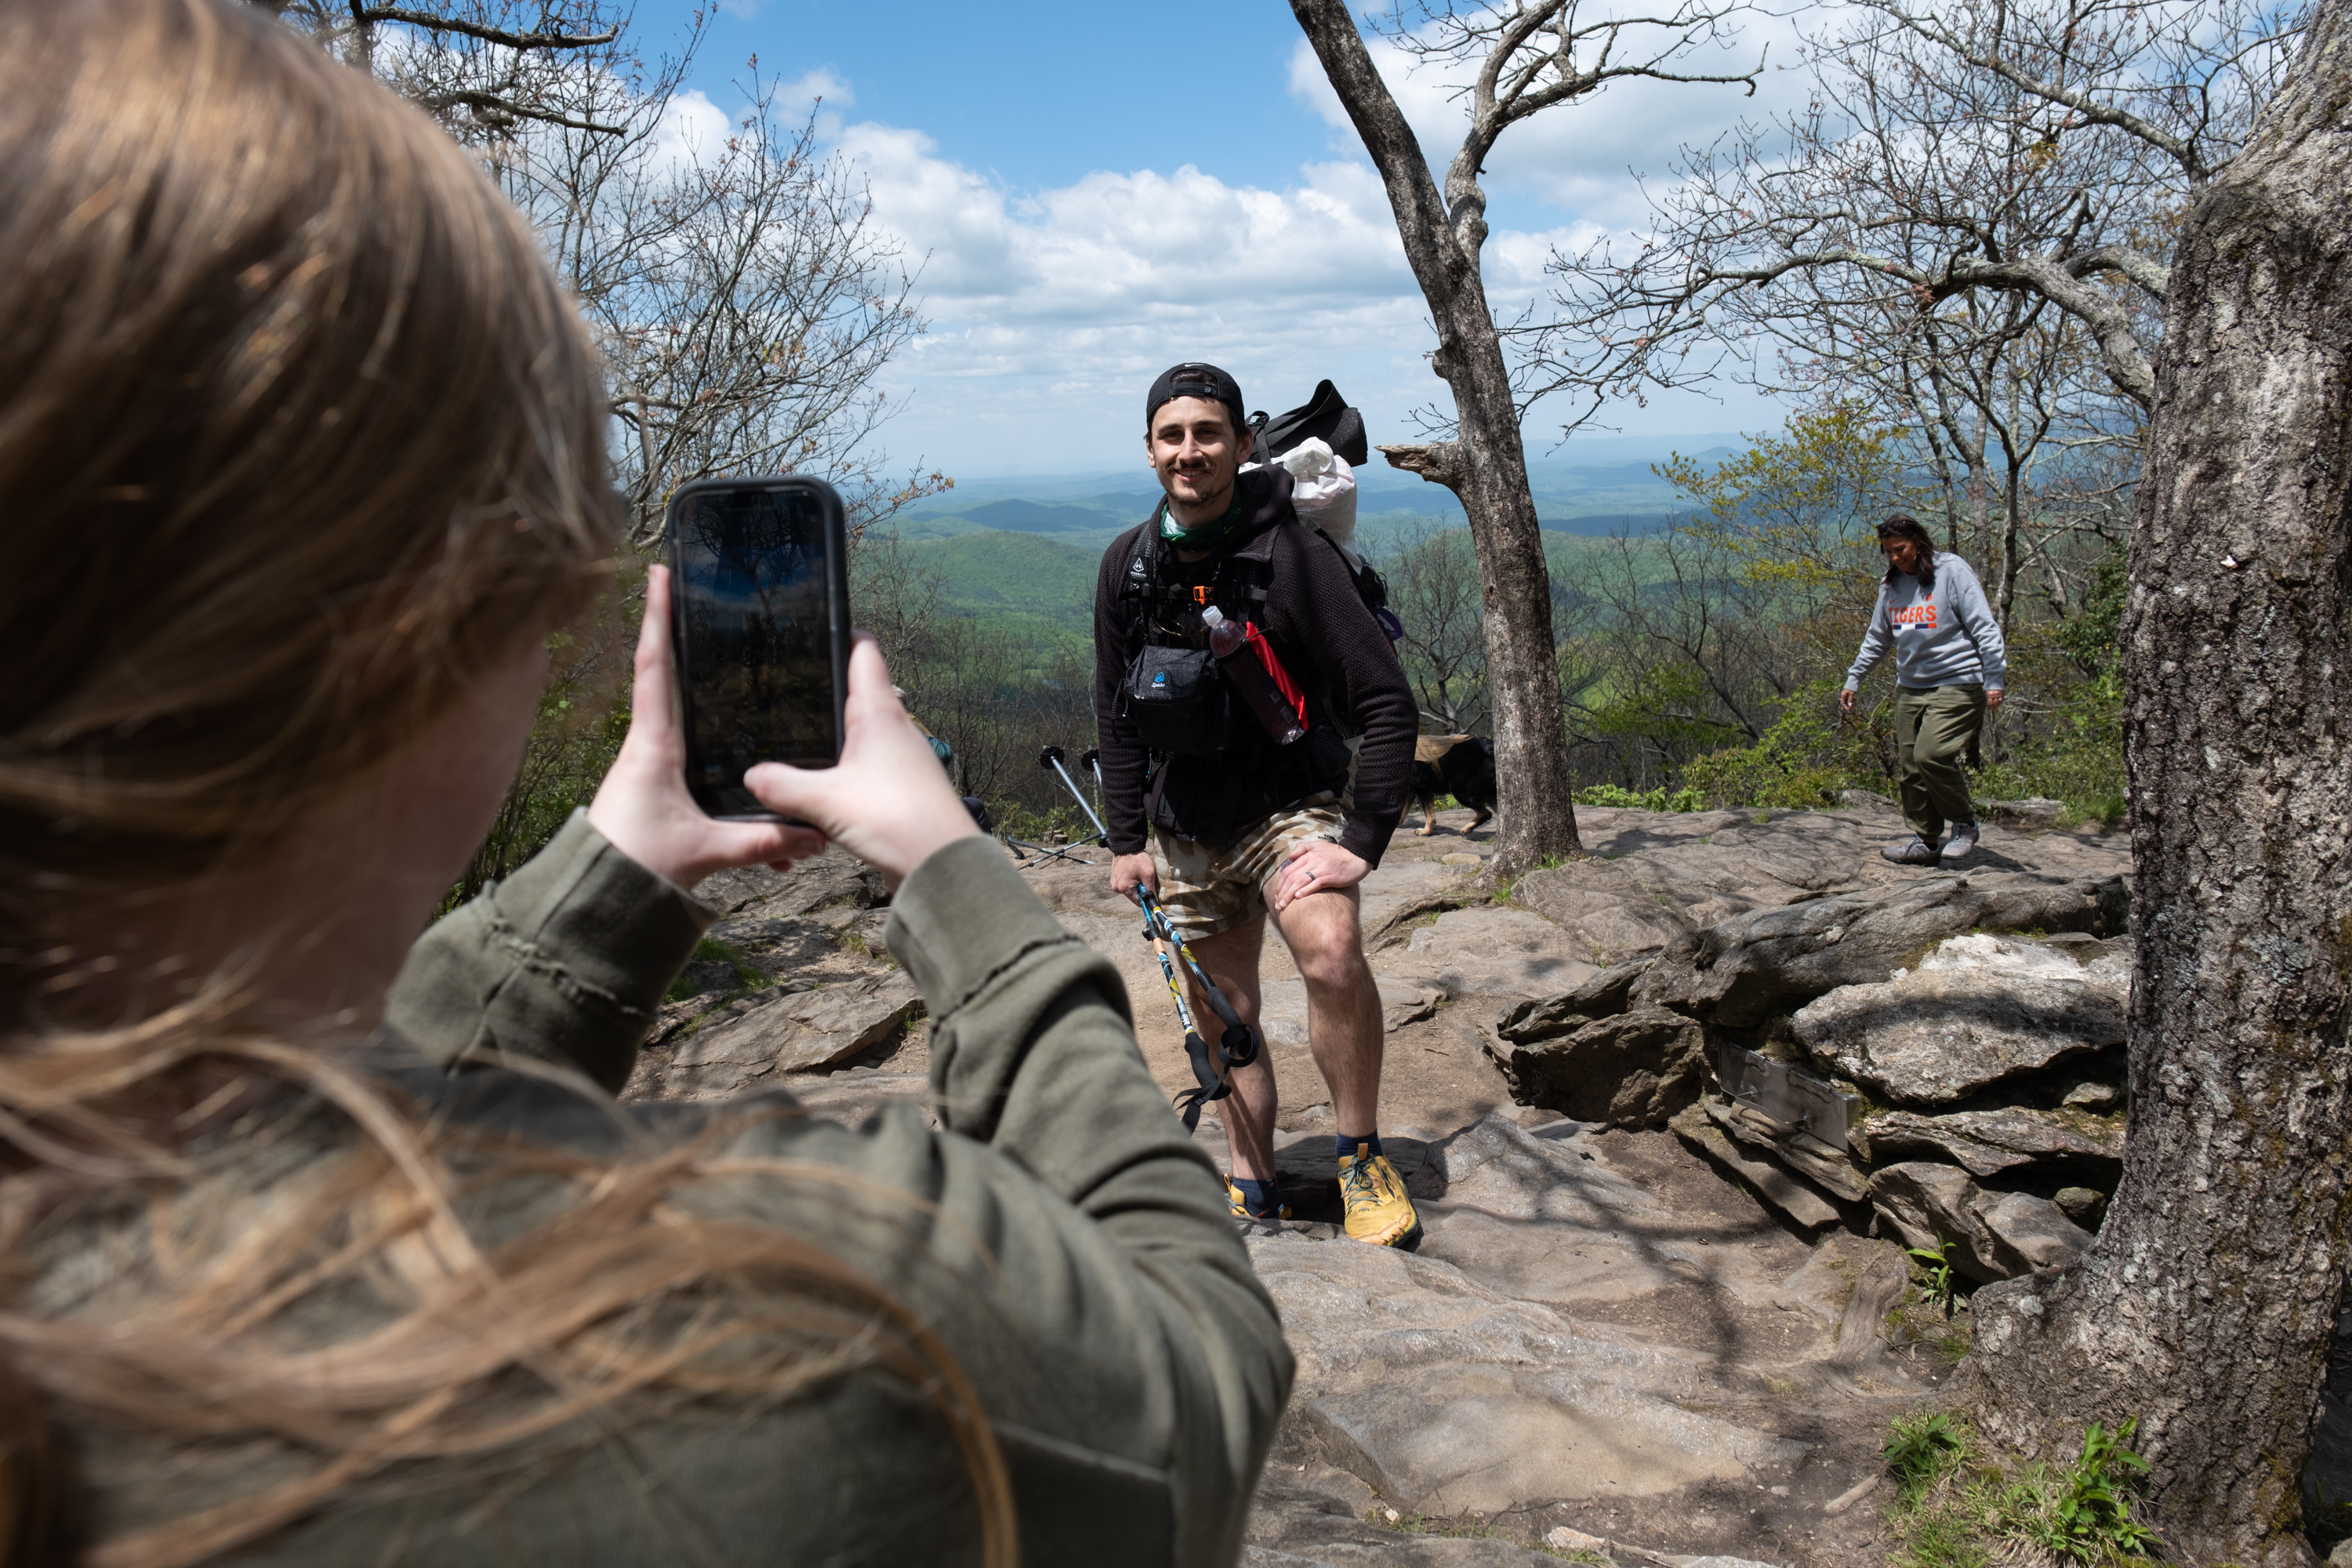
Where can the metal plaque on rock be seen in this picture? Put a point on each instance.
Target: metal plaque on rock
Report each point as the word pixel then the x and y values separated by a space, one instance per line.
pixel 1788 1095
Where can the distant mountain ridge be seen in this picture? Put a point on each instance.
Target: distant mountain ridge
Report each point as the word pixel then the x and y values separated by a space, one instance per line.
pixel 1589 498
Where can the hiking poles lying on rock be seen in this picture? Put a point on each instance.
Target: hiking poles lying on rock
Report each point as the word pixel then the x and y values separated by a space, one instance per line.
pixel 1051 757
pixel 1236 1047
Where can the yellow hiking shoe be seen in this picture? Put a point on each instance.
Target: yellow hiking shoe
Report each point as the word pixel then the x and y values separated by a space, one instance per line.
pixel 1378 1213
pixel 1241 1205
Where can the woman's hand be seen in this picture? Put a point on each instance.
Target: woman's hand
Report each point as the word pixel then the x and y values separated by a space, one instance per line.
pixel 1993 697
pixel 642 806
pixel 888 801
pixel 1845 701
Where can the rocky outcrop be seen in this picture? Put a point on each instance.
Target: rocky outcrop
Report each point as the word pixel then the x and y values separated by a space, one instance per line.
pixel 1797 1201
pixel 1751 966
pixel 1830 1168
pixel 832 880
pixel 1977 1012
pixel 1988 1142
pixel 792 1032
pixel 1635 1070
pixel 1601 995
pixel 1985 1236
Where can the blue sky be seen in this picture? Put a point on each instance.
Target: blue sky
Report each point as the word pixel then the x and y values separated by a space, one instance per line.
pixel 1096 191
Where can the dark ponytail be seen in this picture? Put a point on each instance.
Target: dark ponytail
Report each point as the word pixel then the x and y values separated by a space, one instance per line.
pixel 1902 526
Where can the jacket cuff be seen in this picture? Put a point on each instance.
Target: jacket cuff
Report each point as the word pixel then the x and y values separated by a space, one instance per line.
pixel 960 917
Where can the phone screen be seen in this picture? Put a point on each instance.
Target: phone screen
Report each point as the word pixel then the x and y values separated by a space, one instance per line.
pixel 759 633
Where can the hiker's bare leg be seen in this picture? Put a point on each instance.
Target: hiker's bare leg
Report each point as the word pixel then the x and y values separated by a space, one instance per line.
pixel 1325 935
pixel 1231 958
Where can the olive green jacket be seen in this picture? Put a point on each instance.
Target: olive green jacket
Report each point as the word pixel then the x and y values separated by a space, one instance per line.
pixel 1063 1238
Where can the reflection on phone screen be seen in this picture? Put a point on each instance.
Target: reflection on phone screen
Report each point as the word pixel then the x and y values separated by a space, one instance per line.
pixel 756 634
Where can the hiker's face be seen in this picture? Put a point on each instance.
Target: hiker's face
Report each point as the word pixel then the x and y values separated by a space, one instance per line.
pixel 1901 554
pixel 1194 449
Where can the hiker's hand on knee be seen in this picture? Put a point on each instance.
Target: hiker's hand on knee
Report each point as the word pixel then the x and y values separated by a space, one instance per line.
pixel 887 802
pixel 1129 872
pixel 1321 866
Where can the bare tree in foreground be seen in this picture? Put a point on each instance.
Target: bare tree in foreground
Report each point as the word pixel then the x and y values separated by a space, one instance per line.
pixel 1529 55
pixel 2207 1305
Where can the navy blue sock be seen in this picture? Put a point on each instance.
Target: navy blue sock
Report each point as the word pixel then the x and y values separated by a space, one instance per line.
pixel 1261 1199
pixel 1370 1142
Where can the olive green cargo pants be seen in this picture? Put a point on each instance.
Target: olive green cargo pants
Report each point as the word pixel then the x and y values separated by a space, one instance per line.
pixel 1932 728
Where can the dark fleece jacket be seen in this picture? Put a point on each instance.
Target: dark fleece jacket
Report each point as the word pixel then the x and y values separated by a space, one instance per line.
pixel 1324 636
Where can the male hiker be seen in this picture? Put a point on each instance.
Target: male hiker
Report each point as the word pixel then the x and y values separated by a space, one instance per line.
pixel 1240 825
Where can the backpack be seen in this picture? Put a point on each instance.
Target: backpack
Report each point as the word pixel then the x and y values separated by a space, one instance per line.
pixel 1328 416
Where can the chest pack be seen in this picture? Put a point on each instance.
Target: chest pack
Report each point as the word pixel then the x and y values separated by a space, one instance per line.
pixel 1174 692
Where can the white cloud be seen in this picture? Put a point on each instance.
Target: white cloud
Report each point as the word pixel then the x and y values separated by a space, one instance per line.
pixel 741 10
pixel 1051 310
pixel 691 125
pixel 822 83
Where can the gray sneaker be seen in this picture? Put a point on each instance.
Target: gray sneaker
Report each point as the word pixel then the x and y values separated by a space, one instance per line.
pixel 1912 851
pixel 1962 843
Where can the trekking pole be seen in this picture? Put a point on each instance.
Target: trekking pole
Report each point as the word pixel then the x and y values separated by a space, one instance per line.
pixel 1051 757
pixel 1238 1046
pixel 1091 758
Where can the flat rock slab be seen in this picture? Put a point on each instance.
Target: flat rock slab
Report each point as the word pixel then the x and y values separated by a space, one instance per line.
pixel 1987 1142
pixel 1937 1037
pixel 835 877
pixel 1743 970
pixel 1535 1216
pixel 1293 1528
pixel 1831 1170
pixel 1776 1187
pixel 1491 952
pixel 795 1033
pixel 779 944
pixel 1537 1408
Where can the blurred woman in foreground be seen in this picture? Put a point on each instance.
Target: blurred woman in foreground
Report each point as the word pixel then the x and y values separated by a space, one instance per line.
pixel 301 452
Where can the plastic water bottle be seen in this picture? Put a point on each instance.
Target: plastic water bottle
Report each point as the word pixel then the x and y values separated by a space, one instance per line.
pixel 1257 675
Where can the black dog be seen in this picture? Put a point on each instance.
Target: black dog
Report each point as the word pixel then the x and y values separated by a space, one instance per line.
pixel 1460 765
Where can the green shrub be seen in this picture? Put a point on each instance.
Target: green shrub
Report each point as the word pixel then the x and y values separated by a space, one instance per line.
pixel 1659 799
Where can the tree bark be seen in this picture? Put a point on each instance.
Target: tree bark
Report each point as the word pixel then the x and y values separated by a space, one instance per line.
pixel 1485 465
pixel 2207 1304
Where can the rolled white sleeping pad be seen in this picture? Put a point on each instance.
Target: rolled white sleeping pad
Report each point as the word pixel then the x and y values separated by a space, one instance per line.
pixel 1323 491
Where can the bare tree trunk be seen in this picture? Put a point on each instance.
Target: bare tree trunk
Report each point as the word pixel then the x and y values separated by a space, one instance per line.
pixel 1485 465
pixel 2208 1303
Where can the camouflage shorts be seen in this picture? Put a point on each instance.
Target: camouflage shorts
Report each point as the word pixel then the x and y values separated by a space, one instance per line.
pixel 1209 888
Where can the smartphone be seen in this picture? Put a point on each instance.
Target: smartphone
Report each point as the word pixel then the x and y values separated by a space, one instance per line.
pixel 760 623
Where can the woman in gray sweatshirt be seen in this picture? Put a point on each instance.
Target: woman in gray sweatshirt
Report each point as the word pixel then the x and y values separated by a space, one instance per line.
pixel 1949 663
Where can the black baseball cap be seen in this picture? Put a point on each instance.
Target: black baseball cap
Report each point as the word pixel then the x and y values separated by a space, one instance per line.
pixel 1205 382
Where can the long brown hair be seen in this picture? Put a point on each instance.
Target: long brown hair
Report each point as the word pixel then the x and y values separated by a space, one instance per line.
pixel 298 436
pixel 1901 526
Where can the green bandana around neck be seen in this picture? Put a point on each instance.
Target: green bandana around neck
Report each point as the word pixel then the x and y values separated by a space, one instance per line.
pixel 1202 536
